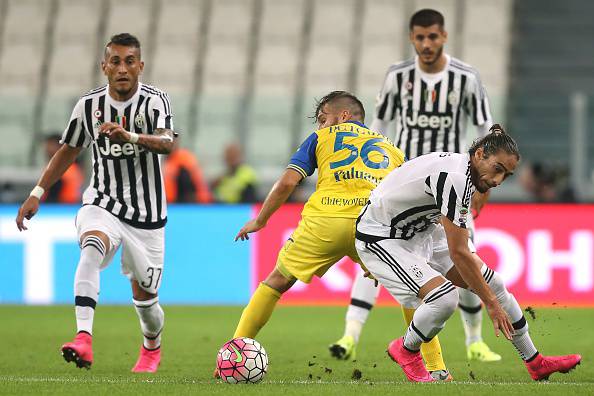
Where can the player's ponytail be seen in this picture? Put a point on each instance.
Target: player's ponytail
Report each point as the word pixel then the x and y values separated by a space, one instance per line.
pixel 497 139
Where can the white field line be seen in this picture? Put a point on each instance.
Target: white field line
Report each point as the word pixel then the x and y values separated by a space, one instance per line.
pixel 183 381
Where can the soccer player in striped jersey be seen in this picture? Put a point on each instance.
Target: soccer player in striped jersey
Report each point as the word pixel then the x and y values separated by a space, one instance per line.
pixel 351 160
pixel 127 125
pixel 428 100
pixel 427 201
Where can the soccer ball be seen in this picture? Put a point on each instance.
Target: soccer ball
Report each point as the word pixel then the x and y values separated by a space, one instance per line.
pixel 241 361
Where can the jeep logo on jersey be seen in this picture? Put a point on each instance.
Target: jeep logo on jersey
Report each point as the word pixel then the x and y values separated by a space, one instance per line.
pixel 112 150
pixel 414 119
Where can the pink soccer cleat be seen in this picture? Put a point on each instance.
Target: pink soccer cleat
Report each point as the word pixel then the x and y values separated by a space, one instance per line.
pixel 148 360
pixel 410 362
pixel 543 366
pixel 79 351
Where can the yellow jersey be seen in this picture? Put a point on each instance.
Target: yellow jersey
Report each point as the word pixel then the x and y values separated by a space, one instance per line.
pixel 351 161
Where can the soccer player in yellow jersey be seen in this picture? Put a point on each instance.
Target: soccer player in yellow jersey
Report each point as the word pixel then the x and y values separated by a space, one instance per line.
pixel 351 160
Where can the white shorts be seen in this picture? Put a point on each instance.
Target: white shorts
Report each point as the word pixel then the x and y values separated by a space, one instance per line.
pixel 142 250
pixel 440 258
pixel 404 266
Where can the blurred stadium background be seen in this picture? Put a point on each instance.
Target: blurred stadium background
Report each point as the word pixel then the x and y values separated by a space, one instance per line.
pixel 248 71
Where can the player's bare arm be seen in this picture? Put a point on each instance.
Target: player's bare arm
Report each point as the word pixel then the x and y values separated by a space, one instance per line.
pixel 278 195
pixel 52 173
pixel 161 142
pixel 468 269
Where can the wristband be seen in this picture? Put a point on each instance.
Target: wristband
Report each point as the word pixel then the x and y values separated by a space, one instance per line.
pixel 133 137
pixel 37 192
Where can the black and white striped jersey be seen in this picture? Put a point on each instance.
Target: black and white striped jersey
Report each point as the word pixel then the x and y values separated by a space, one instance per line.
pixel 126 178
pixel 411 199
pixel 430 111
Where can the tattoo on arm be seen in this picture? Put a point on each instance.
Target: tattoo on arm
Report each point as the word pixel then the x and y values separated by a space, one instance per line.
pixel 161 142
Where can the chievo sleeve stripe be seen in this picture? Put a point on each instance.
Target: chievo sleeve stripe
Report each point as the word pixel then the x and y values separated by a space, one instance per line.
pixel 298 169
pixel 305 156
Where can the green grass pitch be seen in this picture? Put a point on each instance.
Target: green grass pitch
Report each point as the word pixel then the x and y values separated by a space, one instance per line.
pixel 296 340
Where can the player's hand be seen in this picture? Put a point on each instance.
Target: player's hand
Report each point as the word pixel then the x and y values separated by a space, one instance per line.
pixel 249 227
pixel 27 210
pixel 114 132
pixel 501 321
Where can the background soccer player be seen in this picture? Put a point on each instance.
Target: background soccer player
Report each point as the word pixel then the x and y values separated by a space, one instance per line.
pixel 127 125
pixel 427 201
pixel 428 99
pixel 351 160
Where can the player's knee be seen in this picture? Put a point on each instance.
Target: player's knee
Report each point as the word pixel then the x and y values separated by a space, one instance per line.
pixel 451 300
pixel 97 236
pixel 444 298
pixel 279 282
pixel 92 254
pixel 86 279
pixel 139 293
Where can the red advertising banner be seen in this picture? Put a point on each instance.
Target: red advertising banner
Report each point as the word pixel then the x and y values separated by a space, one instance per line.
pixel 545 254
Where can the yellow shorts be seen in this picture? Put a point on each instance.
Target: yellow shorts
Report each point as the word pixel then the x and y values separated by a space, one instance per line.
pixel 316 245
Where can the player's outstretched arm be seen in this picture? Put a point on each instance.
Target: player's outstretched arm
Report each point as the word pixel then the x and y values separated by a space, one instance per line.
pixel 161 142
pixel 470 272
pixel 56 167
pixel 277 196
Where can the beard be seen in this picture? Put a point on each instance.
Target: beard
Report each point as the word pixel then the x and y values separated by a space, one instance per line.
pixel 123 90
pixel 481 189
pixel 475 178
pixel 126 90
pixel 435 59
